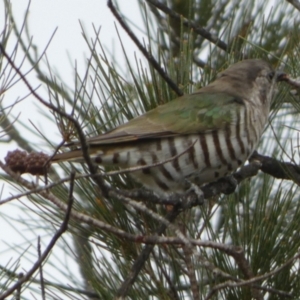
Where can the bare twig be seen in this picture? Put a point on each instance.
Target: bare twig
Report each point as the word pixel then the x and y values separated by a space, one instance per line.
pixel 190 269
pixel 245 267
pixel 19 288
pixel 251 281
pixel 293 82
pixel 42 283
pixel 277 169
pixel 295 3
pixel 37 264
pixel 146 53
pixel 142 258
pixel 142 207
pixel 201 31
pixel 173 290
pixel 52 284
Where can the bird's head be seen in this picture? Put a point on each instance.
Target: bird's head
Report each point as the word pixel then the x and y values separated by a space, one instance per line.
pixel 251 78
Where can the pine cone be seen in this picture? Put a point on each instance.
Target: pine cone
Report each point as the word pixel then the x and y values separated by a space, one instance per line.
pixel 36 163
pixel 16 160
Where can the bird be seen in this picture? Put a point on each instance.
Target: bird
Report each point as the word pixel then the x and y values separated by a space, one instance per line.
pixel 196 138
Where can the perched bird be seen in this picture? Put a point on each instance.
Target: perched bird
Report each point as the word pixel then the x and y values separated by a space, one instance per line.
pixel 216 128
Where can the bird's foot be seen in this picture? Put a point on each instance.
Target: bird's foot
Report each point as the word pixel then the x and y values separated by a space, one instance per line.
pixel 230 183
pixel 193 195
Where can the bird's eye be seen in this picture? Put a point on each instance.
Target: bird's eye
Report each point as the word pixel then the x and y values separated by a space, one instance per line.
pixel 270 75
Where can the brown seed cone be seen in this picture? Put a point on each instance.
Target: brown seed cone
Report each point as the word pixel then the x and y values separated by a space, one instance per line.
pixel 16 160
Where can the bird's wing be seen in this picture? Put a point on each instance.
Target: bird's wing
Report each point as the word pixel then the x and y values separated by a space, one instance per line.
pixel 189 114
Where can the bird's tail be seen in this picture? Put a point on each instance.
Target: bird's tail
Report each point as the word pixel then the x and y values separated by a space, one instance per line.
pixel 75 156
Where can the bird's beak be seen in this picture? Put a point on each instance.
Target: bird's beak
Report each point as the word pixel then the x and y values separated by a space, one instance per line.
pixel 281 76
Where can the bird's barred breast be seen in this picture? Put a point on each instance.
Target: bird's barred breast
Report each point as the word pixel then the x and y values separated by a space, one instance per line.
pixel 200 158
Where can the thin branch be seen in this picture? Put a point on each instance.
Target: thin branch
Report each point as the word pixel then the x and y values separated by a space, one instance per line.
pixel 143 208
pixel 63 228
pixel 142 258
pixel 231 284
pixel 201 31
pixel 19 288
pixel 42 282
pixel 191 273
pixel 173 289
pixel 52 284
pixel 295 3
pixel 277 169
pixel 245 267
pixel 146 53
